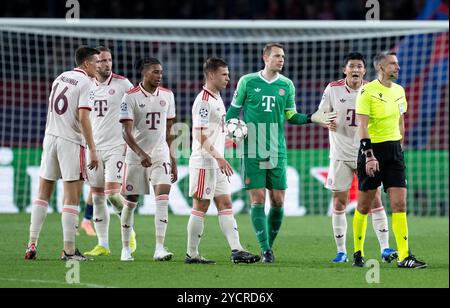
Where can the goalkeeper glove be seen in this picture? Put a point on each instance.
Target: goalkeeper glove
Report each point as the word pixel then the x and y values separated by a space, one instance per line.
pixel 322 117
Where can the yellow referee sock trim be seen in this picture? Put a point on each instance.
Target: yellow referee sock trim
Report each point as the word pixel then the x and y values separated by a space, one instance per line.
pixel 400 228
pixel 359 231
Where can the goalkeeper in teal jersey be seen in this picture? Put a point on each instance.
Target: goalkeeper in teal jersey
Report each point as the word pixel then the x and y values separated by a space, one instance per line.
pixel 268 99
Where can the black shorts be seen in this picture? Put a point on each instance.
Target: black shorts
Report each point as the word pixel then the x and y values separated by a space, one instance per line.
pixel 392 167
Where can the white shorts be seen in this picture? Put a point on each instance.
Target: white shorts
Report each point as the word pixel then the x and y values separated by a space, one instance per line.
pixel 62 158
pixel 138 179
pixel 206 184
pixel 341 175
pixel 110 168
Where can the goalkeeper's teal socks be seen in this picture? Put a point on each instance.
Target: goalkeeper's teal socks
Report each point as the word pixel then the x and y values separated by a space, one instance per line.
pixel 275 220
pixel 259 222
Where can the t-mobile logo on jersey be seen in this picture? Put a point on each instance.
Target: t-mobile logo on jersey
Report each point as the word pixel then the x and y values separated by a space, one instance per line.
pixel 268 102
pixel 153 118
pixel 101 107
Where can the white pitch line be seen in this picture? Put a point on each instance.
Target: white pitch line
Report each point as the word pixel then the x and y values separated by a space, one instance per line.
pixel 89 285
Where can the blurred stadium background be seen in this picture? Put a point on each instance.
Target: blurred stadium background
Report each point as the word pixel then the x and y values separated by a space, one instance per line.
pixel 34 51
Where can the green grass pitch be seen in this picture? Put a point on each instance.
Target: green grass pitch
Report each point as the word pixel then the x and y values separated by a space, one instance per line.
pixel 303 252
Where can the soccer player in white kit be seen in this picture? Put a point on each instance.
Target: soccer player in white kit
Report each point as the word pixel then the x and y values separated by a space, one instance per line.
pixel 67 131
pixel 147 115
pixel 209 172
pixel 106 181
pixel 340 96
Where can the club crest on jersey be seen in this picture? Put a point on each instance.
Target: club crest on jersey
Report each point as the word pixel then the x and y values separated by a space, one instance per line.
pixel 282 92
pixel 130 187
pixel 204 112
pixel 163 103
pixel 208 191
pixel 112 92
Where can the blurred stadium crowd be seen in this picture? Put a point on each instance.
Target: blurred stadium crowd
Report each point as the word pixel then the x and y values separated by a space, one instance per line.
pixel 229 9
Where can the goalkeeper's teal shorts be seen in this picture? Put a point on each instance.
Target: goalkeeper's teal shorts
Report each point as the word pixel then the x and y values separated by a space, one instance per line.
pixel 264 173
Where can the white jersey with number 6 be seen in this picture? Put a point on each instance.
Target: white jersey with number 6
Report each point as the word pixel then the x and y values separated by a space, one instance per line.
pixel 344 143
pixel 149 113
pixel 105 114
pixel 71 91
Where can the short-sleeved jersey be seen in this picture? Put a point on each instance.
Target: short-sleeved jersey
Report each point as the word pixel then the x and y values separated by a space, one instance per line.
pixel 71 91
pixel 384 106
pixel 106 111
pixel 344 143
pixel 208 113
pixel 265 103
pixel 149 113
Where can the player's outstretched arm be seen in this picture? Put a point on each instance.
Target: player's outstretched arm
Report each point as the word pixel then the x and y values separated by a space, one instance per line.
pixel 127 133
pixel 233 113
pixel 170 137
pixel 322 117
pixel 86 129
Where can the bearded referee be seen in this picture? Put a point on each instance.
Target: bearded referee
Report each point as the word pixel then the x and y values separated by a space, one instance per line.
pixel 380 108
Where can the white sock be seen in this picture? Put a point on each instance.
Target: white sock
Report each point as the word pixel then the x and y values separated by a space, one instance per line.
pixel 116 200
pixel 38 215
pixel 161 219
pixel 340 230
pixel 228 225
pixel 70 219
pixel 101 219
pixel 195 232
pixel 127 221
pixel 381 227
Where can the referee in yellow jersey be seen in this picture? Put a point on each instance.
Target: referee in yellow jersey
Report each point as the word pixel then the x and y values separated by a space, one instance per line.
pixel 380 108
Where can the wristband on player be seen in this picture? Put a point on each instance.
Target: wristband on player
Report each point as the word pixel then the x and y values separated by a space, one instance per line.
pixel 366 144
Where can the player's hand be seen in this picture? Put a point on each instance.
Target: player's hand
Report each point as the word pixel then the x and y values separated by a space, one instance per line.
pixel 146 161
pixel 93 164
pixel 322 117
pixel 174 172
pixel 372 166
pixel 225 167
pixel 332 126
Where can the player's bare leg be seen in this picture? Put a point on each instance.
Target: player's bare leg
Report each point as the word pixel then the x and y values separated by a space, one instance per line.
pixel 365 200
pixel 38 215
pixel 229 228
pixel 127 222
pixel 259 222
pixel 70 212
pixel 381 228
pixel 195 231
pixel 112 193
pixel 276 214
pixel 339 220
pixel 86 223
pixel 161 222
pixel 101 221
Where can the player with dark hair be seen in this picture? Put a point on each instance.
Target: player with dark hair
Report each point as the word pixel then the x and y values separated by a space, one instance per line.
pixel 147 115
pixel 340 96
pixel 67 131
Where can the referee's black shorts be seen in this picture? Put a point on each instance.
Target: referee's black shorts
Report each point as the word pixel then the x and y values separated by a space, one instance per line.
pixel 392 167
